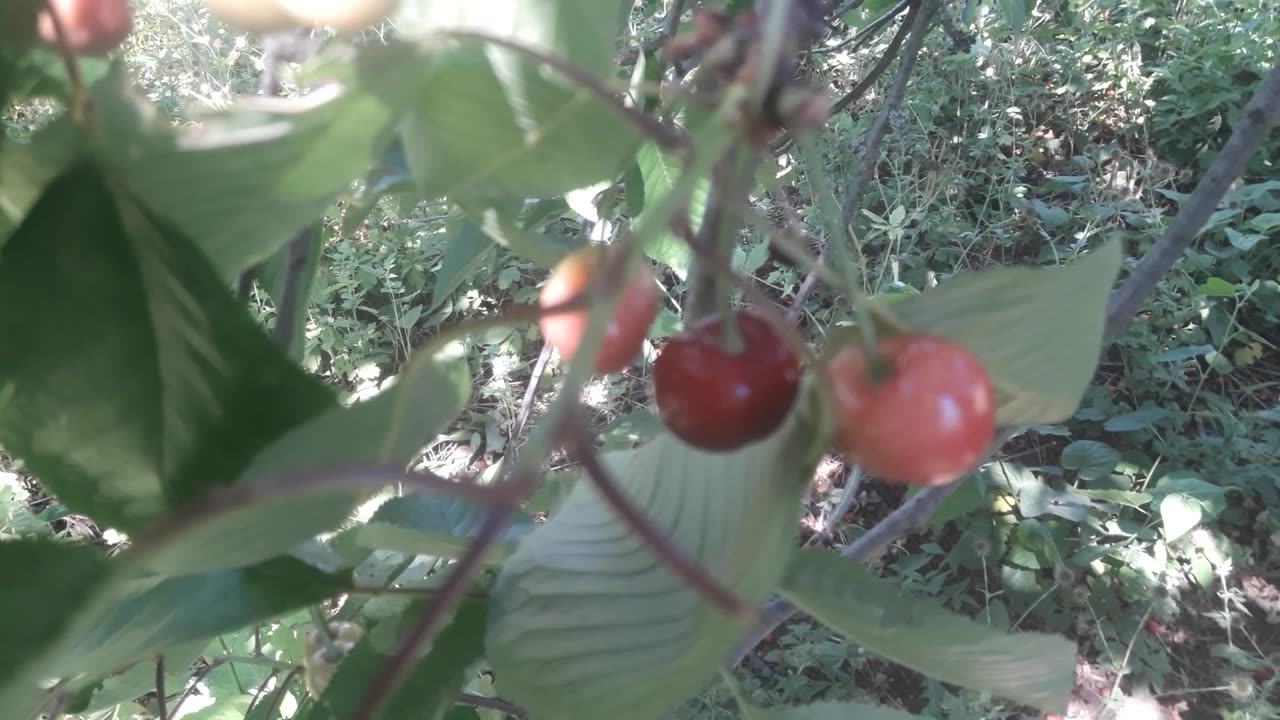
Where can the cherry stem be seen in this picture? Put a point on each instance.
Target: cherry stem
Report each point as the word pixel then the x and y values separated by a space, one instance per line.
pixel 878 368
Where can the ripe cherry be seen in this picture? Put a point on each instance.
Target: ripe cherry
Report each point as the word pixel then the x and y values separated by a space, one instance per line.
pixel 926 422
pixel 719 400
pixel 89 27
pixel 629 325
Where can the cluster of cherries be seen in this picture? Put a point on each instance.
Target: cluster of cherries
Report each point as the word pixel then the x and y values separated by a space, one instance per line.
pixel 921 411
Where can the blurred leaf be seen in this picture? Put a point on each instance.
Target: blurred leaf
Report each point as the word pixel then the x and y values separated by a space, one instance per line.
pixel 658 173
pixel 195 387
pixel 1016 11
pixel 1185 501
pixel 16 520
pixel 128 620
pixel 431 685
pixel 588 622
pixel 836 711
pixel 1217 287
pixel 1090 459
pixel 438 526
pixel 384 431
pixel 1035 497
pixel 1265 223
pixel 1244 242
pixel 627 431
pixel 1182 354
pixel 1030 668
pixel 264 167
pixel 501 221
pixel 513 127
pixel 27 167
pixel 1136 420
pixel 44 586
pixel 223 708
pixel 1053 217
pixel 466 251
pixel 1037 331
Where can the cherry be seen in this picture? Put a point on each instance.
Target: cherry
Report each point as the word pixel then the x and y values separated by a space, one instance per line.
pixel 926 423
pixel 90 27
pixel 719 400
pixel 626 330
pixel 259 16
pixel 344 15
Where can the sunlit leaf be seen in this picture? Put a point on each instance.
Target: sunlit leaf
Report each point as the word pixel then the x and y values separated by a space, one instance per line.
pixel 1037 331
pixel 434 525
pixel 195 388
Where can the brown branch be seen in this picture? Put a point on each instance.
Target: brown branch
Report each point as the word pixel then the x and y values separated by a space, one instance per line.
pixel 578 437
pixel 161 705
pixel 919 28
pixel 866 32
pixel 439 606
pixel 1260 115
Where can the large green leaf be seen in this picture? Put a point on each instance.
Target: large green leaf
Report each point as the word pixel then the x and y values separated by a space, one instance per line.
pixel 384 431
pixel 1038 331
pixel 431 686
pixel 27 167
pixel 44 585
pixel 137 382
pixel 587 622
pixel 434 525
pixel 658 174
pixel 288 277
pixel 511 127
pixel 1030 668
pixel 247 178
pixel 132 619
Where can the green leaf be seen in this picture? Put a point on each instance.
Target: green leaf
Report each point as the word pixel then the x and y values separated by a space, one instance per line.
pixel 1052 216
pixel 247 178
pixel 1017 12
pixel 1035 497
pixel 466 251
pixel 1137 420
pixel 26 168
pixel 1265 222
pixel 44 586
pixel 385 431
pixel 128 620
pixel 1037 331
pixel 658 173
pixel 1217 287
pixel 1090 459
pixel 836 711
pixel 1030 668
pixel 588 622
pixel 512 127
pixel 1185 501
pixel 439 526
pixel 431 686
pixel 505 226
pixel 195 388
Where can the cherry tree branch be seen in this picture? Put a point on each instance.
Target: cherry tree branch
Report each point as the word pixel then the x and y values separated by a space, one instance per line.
pixel 1260 115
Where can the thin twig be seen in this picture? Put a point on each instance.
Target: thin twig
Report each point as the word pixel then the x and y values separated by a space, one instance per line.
pixel 277 696
pixel 864 33
pixel 161 705
pixel 262 689
pixel 291 303
pixel 530 392
pixel 871 145
pixel 1260 115
pixel 437 608
pixel 79 95
pixel 847 497
pixel 699 578
pixel 857 91
pixel 492 703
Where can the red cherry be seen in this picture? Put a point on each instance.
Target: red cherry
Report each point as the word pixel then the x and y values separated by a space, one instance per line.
pixel 90 27
pixel 926 423
pixel 717 400
pixel 629 325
